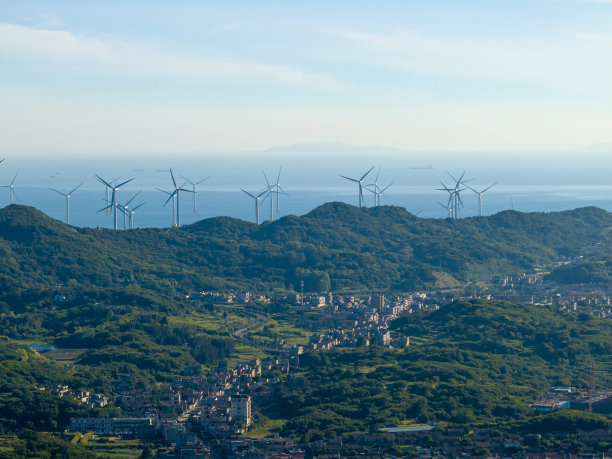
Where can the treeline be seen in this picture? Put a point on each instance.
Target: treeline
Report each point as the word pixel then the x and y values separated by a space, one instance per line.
pixel 336 246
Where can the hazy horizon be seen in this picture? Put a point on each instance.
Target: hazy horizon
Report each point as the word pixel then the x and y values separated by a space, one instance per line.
pixel 116 77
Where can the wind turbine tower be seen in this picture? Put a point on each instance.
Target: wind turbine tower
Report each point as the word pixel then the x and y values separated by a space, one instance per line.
pixel 256 198
pixel 194 191
pixel 11 188
pixel 125 208
pixel 176 193
pixel 67 196
pixel 132 212
pixel 360 183
pixel 480 193
pixel 173 205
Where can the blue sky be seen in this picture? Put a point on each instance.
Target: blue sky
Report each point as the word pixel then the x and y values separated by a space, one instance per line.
pixel 150 76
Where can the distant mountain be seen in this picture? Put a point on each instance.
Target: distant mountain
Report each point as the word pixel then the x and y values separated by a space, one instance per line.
pixel 336 246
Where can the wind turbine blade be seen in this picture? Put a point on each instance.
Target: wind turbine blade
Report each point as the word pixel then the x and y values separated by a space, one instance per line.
pixel 103 181
pixel 169 198
pixel 102 210
pixel 460 178
pixel 172 175
pixel 417 214
pixel 364 175
pixel 163 191
pixel 57 191
pixel 278 176
pixel 489 187
pixel 203 180
pixel 449 174
pixel 383 190
pixel 13 182
pixel 351 179
pixel 282 190
pixel 446 207
pixel 472 189
pixel 138 206
pixel 187 180
pixel 263 192
pixel 254 197
pixel 460 201
pixel 121 184
pixel 266 177
pixel 132 198
pixel 76 188
pixel 14 193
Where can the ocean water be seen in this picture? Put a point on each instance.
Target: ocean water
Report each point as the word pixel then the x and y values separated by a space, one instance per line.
pixel 88 201
pixel 307 185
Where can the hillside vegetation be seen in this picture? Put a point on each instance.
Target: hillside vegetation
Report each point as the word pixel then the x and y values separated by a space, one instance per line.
pixel 336 246
pixel 475 362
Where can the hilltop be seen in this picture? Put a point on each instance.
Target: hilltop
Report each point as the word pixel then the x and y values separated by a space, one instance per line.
pixel 336 246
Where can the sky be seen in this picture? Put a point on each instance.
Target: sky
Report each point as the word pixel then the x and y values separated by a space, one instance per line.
pixel 147 77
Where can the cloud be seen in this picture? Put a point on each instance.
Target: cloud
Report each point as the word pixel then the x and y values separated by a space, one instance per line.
pixel 119 58
pixel 563 61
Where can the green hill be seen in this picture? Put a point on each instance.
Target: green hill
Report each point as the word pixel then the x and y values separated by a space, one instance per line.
pixel 474 362
pixel 335 246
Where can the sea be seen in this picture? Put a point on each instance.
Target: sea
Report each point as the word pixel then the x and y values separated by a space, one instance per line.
pixel 414 185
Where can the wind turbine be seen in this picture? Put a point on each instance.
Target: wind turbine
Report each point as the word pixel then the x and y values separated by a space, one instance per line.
pixel 113 203
pixel 256 198
pixel 194 185
pixel 450 205
pixel 67 196
pixel 173 206
pixel 176 193
pixel 277 190
pixel 108 201
pixel 360 182
pixel 11 188
pixel 125 208
pixel 448 208
pixel 132 212
pixel 480 193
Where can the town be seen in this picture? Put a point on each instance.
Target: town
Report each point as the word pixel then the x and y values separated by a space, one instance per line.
pixel 209 415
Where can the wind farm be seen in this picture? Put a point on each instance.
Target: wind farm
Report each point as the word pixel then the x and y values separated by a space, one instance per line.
pixel 219 194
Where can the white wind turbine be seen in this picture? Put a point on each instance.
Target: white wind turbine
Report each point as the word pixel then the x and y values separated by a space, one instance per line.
pixel 176 194
pixel 360 183
pixel 194 191
pixel 173 205
pixel 67 196
pixel 113 203
pixel 256 198
pixel 11 188
pixel 480 193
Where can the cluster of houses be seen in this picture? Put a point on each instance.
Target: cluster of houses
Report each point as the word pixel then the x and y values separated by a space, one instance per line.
pixel 84 396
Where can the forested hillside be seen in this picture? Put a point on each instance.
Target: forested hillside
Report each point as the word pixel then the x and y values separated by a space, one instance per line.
pixel 470 362
pixel 336 246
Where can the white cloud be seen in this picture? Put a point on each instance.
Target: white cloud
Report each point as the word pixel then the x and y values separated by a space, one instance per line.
pixel 117 58
pixel 564 62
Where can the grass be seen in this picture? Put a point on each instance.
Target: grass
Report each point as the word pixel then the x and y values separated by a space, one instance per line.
pixel 113 447
pixel 269 427
pixel 64 355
